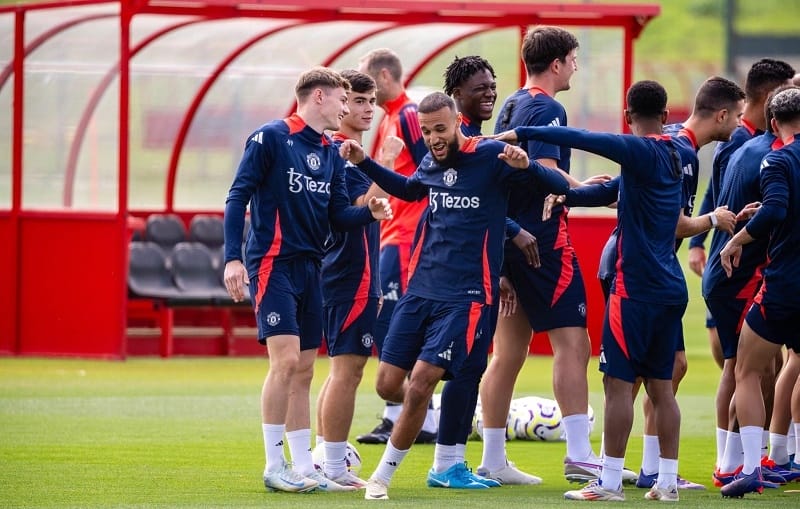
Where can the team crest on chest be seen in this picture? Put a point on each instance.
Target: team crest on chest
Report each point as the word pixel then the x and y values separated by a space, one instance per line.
pixel 313 161
pixel 450 177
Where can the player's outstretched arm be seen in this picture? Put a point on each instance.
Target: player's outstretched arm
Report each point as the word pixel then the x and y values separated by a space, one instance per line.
pixel 395 184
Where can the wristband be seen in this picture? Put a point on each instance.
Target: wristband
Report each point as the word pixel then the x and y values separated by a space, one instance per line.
pixel 713 218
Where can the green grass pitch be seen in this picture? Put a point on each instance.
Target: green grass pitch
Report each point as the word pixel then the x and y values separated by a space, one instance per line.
pixel 185 432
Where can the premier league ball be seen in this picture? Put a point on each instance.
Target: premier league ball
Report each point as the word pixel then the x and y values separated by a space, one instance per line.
pixel 352 458
pixel 540 419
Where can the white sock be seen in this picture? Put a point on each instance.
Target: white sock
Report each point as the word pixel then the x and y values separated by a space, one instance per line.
pixel 667 473
pixel 273 446
pixel 444 457
pixel 335 465
pixel 764 442
pixel 791 439
pixel 722 438
pixel 300 449
pixel 733 453
pixel 751 445
pixel 796 427
pixel 576 427
pixel 389 462
pixel 611 475
pixel 602 444
pixel 319 440
pixel 430 425
pixel 461 453
pixel 777 448
pixel 494 449
pixel 651 452
pixel 392 412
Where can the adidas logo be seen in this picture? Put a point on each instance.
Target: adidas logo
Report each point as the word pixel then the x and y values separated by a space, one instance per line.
pixel 555 122
pixel 279 444
pixel 391 463
pixel 258 138
pixel 446 355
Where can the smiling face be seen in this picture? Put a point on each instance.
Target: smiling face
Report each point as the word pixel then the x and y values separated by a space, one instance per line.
pixel 333 107
pixel 439 132
pixel 566 69
pixel 362 110
pixel 477 96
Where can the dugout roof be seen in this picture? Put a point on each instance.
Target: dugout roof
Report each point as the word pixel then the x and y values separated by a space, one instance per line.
pixel 113 107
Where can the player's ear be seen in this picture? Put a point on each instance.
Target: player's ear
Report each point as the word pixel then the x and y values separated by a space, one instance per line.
pixel 664 116
pixel 722 115
pixel 627 114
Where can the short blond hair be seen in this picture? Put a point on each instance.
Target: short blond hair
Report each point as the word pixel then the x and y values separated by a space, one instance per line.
pixel 318 77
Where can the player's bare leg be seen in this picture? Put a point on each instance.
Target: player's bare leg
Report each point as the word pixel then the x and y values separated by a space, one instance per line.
pixel 667 417
pixel 416 394
pixel 754 359
pixel 337 408
pixel 651 451
pixel 511 343
pixel 285 363
pixel 781 410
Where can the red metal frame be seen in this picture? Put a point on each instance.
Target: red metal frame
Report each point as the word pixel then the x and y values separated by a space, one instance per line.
pixel 195 105
pixel 94 101
pixel 102 301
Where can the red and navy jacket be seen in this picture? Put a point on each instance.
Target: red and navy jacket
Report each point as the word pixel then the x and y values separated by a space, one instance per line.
pixel 742 185
pixel 294 182
pixel 459 246
pixel 350 266
pixel 719 164
pixel 779 219
pixel 534 107
pixel 401 120
pixel 650 199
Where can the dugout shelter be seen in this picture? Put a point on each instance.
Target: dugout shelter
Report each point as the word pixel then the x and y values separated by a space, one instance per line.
pixel 116 111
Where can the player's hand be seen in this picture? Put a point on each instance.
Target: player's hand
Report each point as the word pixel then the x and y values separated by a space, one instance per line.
pixel 390 150
pixel 351 151
pixel 528 245
pixel 697 259
pixel 380 208
pixel 235 277
pixel 514 156
pixel 508 298
pixel 549 202
pixel 726 220
pixel 507 136
pixel 730 256
pixel 748 211
pixel 596 179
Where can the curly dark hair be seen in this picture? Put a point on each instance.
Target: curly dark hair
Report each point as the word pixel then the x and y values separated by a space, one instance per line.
pixel 461 69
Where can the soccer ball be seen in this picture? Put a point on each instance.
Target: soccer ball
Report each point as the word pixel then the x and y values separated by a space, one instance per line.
pixel 539 419
pixel 352 458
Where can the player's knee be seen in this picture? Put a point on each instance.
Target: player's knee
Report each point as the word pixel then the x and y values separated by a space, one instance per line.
pixel 679 368
pixel 417 394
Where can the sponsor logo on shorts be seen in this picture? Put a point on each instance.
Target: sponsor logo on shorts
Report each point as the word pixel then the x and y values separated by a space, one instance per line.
pixel 273 319
pixel 367 340
pixel 602 356
pixel 582 309
pixel 447 354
